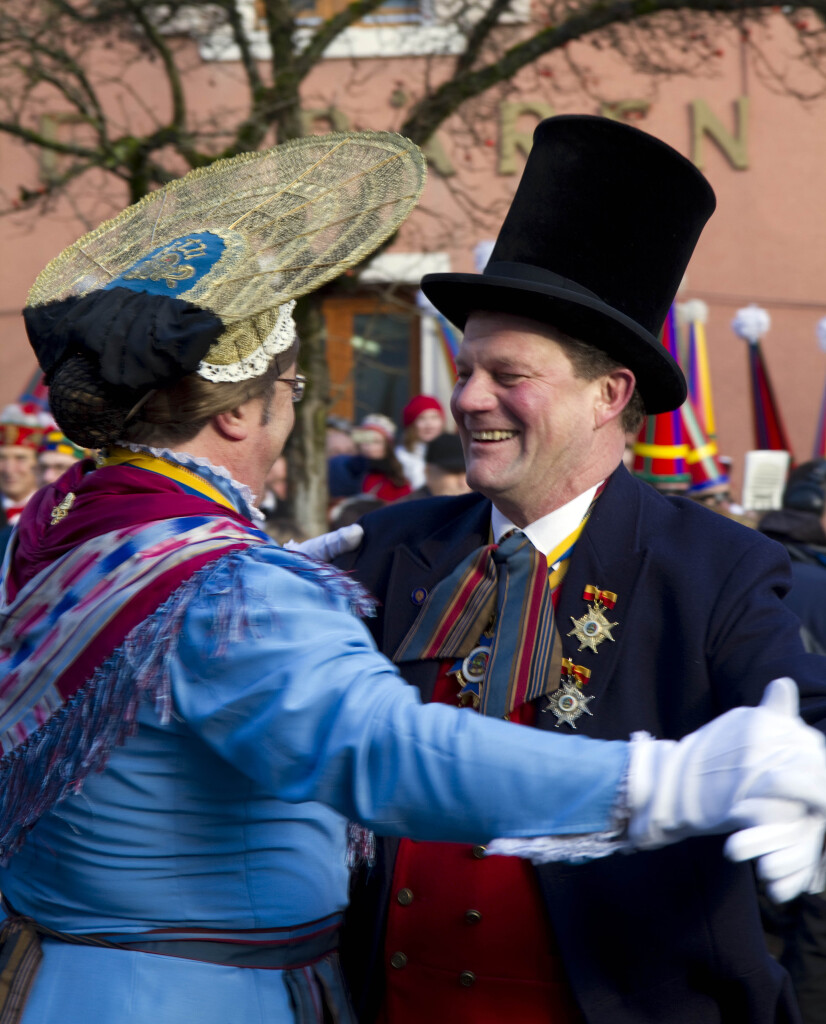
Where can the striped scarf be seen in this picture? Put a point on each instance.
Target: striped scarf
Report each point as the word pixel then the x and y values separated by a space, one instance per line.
pixel 61 712
pixel 514 585
pixel 98 580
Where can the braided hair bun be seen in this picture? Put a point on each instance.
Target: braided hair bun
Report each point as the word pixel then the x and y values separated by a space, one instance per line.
pixel 87 409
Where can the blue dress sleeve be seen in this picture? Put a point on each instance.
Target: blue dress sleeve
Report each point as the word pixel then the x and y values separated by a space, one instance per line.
pixel 295 695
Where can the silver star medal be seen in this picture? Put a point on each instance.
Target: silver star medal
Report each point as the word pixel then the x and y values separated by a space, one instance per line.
pixel 568 703
pixel 592 628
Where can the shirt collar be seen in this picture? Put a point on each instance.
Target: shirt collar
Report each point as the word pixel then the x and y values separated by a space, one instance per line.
pixel 549 531
pixel 239 495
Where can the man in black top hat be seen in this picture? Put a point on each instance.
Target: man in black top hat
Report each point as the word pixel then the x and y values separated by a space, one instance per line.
pixel 657 615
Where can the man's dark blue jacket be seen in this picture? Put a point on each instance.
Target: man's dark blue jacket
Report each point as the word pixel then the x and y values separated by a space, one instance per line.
pixel 667 936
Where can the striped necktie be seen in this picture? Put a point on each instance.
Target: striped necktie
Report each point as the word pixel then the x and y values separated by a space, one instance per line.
pixel 511 581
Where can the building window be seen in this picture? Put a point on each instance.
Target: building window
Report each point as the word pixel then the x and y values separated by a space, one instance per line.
pixel 373 355
pixel 311 12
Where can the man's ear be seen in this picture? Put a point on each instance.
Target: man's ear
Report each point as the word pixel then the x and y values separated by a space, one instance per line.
pixel 233 424
pixel 616 389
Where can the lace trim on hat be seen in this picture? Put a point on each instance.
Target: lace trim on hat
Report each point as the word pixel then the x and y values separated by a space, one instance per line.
pixel 280 338
pixel 243 495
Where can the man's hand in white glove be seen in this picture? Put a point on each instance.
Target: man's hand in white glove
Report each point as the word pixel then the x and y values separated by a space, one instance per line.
pixel 789 853
pixel 762 769
pixel 329 545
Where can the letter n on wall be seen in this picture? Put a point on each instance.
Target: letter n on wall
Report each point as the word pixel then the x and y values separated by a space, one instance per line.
pixel 735 147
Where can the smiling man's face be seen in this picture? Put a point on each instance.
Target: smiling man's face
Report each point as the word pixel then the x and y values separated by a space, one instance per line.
pixel 526 421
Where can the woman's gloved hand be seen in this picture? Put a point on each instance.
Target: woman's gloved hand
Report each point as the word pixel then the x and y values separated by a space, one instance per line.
pixel 329 545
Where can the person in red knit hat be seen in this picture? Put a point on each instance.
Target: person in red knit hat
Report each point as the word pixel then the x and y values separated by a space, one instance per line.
pixel 423 419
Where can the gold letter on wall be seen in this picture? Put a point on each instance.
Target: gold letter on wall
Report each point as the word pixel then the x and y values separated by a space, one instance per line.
pixel 511 139
pixel 337 119
pixel 437 158
pixel 734 147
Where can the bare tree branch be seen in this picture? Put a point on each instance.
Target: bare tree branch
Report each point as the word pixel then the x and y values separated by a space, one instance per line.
pixel 49 144
pixel 434 108
pixel 479 34
pixel 156 40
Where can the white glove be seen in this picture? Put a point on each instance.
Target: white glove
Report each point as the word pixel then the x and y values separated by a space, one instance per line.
pixel 789 851
pixel 730 774
pixel 329 545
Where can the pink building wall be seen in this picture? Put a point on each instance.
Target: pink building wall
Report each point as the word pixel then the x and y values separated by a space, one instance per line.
pixel 766 243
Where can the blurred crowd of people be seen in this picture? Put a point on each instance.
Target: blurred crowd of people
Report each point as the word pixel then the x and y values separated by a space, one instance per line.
pixel 376 462
pixel 385 462
pixel 33 452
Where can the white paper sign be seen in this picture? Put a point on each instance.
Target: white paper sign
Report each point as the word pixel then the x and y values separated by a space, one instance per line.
pixel 764 479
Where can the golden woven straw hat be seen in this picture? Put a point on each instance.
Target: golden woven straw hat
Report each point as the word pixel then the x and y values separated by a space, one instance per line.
pixel 246 236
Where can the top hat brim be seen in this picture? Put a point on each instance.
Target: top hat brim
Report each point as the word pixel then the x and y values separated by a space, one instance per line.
pixel 585 317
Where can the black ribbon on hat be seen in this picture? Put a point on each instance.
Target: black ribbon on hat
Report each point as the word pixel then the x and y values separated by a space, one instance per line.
pixel 140 340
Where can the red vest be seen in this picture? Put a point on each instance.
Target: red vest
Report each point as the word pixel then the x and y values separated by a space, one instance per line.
pixel 468 940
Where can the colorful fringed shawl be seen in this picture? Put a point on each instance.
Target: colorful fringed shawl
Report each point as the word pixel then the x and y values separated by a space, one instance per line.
pixel 92 604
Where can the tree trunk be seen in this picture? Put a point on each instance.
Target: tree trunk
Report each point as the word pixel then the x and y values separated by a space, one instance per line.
pixel 306 452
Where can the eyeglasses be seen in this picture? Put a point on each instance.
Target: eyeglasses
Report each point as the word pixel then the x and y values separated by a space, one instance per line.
pixel 298 383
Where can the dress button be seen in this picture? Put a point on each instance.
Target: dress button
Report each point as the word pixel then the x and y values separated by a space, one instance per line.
pixel 479 852
pixel 405 897
pixel 398 960
pixel 467 978
pixel 473 916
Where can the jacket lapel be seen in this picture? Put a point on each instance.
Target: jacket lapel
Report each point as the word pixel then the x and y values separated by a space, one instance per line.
pixel 609 555
pixel 417 568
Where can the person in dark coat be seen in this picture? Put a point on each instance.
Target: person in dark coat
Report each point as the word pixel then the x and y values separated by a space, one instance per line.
pixel 799 927
pixel 657 616
pixel 798 526
pixel 444 469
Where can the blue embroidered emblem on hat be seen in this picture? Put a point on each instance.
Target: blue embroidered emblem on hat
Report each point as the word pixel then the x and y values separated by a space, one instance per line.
pixel 174 268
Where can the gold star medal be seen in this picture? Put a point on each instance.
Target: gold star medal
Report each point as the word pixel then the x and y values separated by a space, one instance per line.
pixel 569 701
pixel 593 627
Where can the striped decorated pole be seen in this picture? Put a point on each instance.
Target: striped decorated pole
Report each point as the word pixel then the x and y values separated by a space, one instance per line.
pixel 449 337
pixel 36 391
pixel 450 342
pixel 751 324
pixel 699 426
pixel 661 451
pixel 707 473
pixel 694 315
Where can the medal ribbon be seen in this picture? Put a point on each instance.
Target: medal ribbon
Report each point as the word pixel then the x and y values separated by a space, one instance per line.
pixel 594 594
pixel 579 673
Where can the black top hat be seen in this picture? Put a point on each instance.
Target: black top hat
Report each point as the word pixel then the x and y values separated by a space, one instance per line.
pixel 595 243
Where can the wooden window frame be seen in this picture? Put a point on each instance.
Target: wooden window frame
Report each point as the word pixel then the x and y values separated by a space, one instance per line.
pixel 339 315
pixel 323 10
